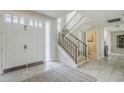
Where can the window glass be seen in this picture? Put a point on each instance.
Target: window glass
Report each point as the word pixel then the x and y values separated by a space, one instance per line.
pixel 8 18
pixel 36 23
pixel 15 19
pixel 59 24
pixel 30 22
pixel 40 24
pixel 59 20
pixel 22 20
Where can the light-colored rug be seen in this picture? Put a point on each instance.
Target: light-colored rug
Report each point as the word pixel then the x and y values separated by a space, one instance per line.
pixel 61 74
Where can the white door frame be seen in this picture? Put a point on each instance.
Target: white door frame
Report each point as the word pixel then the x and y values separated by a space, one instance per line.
pixel 96 42
pixel 47 41
pixel 1 71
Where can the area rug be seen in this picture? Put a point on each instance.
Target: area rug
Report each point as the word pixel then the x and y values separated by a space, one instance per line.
pixel 61 73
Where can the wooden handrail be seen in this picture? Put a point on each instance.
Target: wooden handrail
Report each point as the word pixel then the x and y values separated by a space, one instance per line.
pixel 67 38
pixel 70 20
pixel 76 23
pixel 77 38
pixel 84 52
pixel 70 47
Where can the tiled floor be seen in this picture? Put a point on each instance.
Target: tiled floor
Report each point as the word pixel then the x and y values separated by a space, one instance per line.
pixel 23 74
pixel 109 69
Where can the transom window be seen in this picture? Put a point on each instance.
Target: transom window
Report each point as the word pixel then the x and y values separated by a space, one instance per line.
pixel 36 23
pixel 15 19
pixel 40 24
pixel 21 20
pixel 8 18
pixel 30 22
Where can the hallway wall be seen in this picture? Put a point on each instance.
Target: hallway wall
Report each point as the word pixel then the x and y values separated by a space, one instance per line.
pixel 100 41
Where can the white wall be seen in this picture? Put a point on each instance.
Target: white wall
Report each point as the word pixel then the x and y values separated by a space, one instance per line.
pixel 113 40
pixel 100 42
pixel 53 40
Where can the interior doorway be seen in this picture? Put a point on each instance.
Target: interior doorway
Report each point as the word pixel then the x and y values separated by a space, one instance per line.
pixel 92 44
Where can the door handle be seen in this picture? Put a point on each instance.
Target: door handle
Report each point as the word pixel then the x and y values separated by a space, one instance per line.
pixel 25 46
pixel 25 27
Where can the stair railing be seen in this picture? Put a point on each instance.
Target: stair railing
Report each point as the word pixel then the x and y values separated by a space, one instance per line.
pixel 70 20
pixel 72 23
pixel 82 46
pixel 68 46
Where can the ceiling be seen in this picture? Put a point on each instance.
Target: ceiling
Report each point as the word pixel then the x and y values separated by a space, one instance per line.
pixel 94 17
pixel 101 16
pixel 53 13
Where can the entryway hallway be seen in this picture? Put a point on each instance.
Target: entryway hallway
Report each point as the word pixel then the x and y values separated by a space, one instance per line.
pixel 109 69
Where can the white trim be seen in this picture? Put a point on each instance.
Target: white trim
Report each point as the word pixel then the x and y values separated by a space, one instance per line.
pixel 47 40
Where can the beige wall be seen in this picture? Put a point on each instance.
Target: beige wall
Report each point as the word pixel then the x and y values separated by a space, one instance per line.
pixel 113 40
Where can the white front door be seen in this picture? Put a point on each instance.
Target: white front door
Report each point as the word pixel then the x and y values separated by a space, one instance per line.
pixel 22 39
pixel 34 40
pixel 20 47
pixel 14 41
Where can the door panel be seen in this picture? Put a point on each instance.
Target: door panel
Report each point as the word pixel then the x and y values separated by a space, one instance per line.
pixel 34 42
pixel 20 42
pixel 7 44
pixel 14 37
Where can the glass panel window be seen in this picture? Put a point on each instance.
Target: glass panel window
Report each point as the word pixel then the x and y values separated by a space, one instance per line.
pixel 15 19
pixel 22 20
pixel 30 22
pixel 40 24
pixel 59 24
pixel 36 23
pixel 8 18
